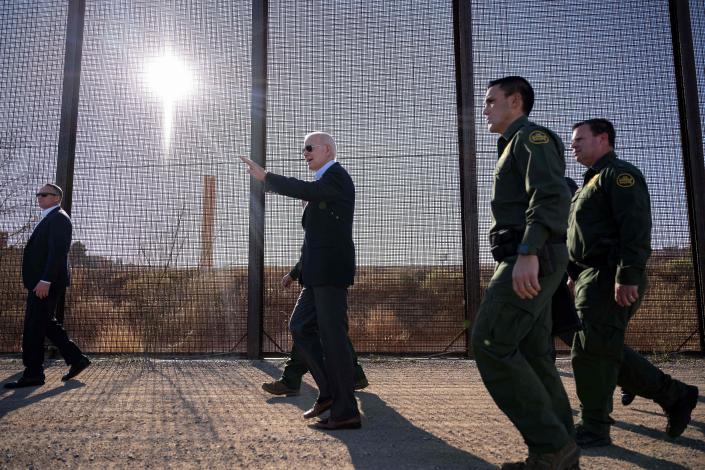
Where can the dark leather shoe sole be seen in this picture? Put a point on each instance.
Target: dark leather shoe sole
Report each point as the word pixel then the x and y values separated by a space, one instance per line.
pixel 330 425
pixel 24 383
pixel 76 369
pixel 318 409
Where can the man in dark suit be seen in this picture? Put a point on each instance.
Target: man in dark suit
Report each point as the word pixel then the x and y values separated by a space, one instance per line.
pixel 319 322
pixel 45 274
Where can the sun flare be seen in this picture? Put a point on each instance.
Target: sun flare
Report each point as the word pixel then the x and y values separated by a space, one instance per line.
pixel 169 77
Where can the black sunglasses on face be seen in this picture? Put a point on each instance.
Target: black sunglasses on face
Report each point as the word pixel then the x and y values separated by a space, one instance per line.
pixel 46 194
pixel 309 148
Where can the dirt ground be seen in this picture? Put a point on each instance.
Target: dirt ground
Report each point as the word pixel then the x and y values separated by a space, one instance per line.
pixel 211 413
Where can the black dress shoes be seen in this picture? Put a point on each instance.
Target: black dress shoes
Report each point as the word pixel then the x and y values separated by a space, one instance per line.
pixel 25 382
pixel 76 369
pixel 361 383
pixel 679 414
pixel 318 408
pixel 330 425
pixel 588 439
pixel 627 397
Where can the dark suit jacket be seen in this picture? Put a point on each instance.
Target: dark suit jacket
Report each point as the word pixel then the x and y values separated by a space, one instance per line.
pixel 46 253
pixel 328 252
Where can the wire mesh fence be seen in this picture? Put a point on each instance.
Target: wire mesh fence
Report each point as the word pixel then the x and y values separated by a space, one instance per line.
pixel 32 57
pixel 697 18
pixel 612 60
pixel 160 202
pixel 379 77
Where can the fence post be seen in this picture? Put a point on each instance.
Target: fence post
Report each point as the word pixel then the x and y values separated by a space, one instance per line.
pixel 69 100
pixel 69 111
pixel 258 148
pixel 692 143
pixel 464 83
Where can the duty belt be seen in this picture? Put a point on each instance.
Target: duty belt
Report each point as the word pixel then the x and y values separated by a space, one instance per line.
pixel 504 243
pixel 594 262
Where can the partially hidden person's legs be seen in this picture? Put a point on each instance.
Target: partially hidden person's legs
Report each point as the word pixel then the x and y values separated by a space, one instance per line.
pixel 644 379
pixel 295 368
pixel 290 381
pixel 303 325
pixel 360 377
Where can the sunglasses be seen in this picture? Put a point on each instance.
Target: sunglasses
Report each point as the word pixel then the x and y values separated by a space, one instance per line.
pixel 309 148
pixel 46 194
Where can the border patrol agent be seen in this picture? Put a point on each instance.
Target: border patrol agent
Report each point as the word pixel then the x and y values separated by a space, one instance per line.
pixel 609 240
pixel 511 334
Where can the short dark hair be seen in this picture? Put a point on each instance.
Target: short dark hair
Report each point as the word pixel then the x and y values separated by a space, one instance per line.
pixel 515 84
pixel 599 126
pixel 57 189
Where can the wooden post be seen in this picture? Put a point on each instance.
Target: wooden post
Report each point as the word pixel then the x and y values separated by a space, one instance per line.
pixel 208 221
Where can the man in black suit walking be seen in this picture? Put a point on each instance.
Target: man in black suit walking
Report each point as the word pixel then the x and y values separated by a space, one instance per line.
pixel 45 274
pixel 319 322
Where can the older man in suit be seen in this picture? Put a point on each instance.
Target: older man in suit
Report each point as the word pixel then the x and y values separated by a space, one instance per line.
pixel 319 323
pixel 45 274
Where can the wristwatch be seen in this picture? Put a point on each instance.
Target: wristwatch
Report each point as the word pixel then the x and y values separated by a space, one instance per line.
pixel 525 249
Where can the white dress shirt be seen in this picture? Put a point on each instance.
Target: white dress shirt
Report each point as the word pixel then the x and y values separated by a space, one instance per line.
pixel 44 213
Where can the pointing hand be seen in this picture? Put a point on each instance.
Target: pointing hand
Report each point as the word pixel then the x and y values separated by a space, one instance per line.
pixel 254 169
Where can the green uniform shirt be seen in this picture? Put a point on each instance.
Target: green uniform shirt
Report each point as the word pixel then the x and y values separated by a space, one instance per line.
pixel 529 192
pixel 610 219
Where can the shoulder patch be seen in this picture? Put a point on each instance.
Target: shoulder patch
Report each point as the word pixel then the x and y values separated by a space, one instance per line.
pixel 538 137
pixel 625 180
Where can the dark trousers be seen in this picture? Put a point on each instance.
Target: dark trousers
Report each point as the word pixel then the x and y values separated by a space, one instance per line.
pixel 510 339
pixel 39 322
pixel 296 367
pixel 600 359
pixel 319 326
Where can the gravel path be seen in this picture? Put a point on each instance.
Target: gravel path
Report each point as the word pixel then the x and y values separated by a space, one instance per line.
pixel 127 412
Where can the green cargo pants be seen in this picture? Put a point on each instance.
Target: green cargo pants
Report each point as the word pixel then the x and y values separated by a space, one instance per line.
pixel 601 360
pixel 511 342
pixel 295 368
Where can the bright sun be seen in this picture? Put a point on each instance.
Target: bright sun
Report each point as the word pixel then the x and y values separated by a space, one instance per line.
pixel 171 80
pixel 169 77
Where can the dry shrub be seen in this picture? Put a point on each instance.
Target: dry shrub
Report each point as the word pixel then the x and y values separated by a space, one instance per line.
pixel 382 325
pixel 401 309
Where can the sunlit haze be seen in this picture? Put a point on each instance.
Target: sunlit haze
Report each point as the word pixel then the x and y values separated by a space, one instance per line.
pixel 170 79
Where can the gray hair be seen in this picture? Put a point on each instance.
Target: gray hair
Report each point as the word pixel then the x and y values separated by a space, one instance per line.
pixel 325 138
pixel 59 192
